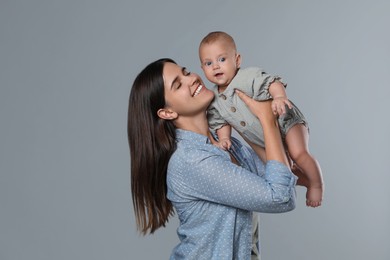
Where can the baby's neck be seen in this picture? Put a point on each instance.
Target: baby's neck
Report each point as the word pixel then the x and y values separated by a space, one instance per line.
pixel 222 89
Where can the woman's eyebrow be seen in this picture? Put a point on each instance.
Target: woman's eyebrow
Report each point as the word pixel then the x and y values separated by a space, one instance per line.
pixel 183 69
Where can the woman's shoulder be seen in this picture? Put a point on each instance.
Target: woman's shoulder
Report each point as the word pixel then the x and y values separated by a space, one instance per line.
pixel 191 162
pixel 192 152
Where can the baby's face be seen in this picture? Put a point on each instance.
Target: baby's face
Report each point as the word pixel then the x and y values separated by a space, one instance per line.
pixel 219 62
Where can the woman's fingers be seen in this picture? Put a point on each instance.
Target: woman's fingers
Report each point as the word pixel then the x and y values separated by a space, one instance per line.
pixel 244 97
pixel 259 108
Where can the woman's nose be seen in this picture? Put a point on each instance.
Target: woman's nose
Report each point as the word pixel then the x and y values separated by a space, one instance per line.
pixel 192 79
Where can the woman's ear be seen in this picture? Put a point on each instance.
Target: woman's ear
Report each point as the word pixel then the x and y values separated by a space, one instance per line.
pixel 167 114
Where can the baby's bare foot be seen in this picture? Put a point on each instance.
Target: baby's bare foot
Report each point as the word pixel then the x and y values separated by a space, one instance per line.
pixel 314 196
pixel 302 178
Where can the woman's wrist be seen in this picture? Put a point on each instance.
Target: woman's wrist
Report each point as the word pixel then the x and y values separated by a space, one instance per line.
pixel 268 120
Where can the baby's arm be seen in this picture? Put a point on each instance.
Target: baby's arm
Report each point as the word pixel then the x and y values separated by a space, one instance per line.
pixel 224 134
pixel 280 100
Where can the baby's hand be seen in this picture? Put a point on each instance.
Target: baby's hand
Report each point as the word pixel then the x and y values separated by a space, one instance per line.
pixel 279 105
pixel 224 144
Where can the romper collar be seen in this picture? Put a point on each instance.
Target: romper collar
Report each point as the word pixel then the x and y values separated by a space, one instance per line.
pixel 229 91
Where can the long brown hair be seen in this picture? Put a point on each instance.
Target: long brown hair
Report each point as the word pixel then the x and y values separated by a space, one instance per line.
pixel 151 142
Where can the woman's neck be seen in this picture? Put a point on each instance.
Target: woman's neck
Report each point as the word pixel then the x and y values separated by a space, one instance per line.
pixel 196 124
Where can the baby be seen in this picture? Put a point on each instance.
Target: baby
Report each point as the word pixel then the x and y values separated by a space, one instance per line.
pixel 220 63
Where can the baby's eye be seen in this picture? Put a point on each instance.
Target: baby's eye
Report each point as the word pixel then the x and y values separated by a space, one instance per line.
pixel 207 63
pixel 222 59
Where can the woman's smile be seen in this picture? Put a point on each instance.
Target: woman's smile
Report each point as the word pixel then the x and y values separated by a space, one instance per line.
pixel 197 90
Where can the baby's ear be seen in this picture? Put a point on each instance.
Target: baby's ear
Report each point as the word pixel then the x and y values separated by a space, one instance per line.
pixel 167 114
pixel 238 60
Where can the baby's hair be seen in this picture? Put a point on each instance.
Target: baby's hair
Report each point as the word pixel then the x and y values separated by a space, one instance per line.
pixel 213 37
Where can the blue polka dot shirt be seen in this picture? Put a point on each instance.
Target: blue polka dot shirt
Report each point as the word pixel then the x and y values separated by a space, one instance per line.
pixel 214 198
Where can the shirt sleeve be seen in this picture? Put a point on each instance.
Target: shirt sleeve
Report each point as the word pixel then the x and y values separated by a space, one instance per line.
pixel 213 177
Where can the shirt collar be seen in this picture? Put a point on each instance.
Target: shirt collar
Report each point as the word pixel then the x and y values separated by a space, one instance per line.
pixel 191 136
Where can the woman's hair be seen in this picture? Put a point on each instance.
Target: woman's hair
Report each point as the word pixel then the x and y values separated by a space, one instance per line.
pixel 152 142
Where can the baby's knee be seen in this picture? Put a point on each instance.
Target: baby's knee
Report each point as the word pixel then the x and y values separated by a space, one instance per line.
pixel 300 155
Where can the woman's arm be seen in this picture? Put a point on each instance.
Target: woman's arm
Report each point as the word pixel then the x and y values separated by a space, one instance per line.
pixel 273 141
pixel 260 151
pixel 208 174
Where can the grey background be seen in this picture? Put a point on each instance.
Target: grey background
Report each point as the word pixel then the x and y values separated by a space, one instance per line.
pixel 66 68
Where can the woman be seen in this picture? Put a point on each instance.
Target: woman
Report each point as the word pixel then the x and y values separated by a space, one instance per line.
pixel 175 165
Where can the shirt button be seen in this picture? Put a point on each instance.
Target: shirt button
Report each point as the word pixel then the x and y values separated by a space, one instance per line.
pixel 242 123
pixel 233 109
pixel 223 97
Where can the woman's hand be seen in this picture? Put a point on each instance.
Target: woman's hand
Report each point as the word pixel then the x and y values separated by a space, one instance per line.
pixel 261 109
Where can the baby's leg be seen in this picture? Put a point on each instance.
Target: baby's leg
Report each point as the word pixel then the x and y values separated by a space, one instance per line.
pixel 302 178
pixel 297 140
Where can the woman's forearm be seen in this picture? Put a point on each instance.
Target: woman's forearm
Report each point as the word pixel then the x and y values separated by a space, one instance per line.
pixel 273 140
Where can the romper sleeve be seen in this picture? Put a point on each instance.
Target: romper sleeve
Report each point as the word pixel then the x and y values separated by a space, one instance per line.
pixel 261 82
pixel 215 119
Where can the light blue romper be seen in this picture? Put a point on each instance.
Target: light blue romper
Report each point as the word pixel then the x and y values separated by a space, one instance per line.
pixel 228 108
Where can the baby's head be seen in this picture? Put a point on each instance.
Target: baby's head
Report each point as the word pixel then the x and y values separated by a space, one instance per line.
pixel 219 58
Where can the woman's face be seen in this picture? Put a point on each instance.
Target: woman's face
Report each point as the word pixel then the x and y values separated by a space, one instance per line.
pixel 185 92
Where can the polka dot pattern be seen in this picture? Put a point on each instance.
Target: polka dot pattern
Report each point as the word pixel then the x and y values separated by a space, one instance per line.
pixel 214 197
